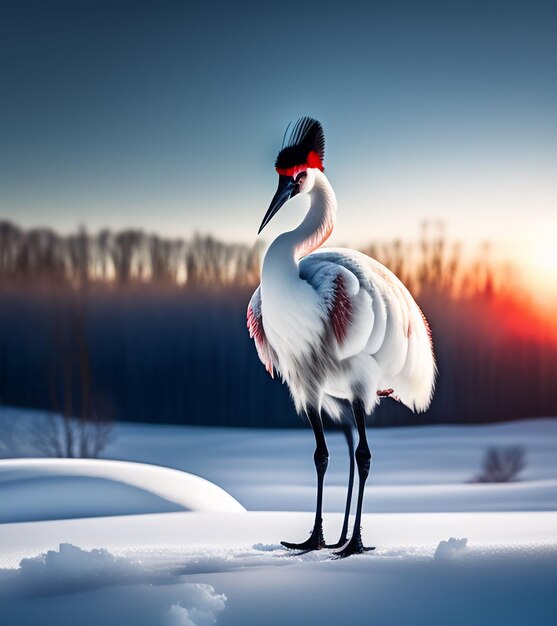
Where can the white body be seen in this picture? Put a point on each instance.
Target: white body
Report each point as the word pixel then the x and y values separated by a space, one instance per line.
pixel 337 324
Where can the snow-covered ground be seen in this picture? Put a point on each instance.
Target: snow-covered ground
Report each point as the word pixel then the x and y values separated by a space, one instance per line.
pixel 413 469
pixel 448 551
pixel 504 575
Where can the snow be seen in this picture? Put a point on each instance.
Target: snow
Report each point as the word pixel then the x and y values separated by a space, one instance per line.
pixel 71 569
pixel 504 576
pixel 448 551
pixel 418 469
pixel 98 587
pixel 42 489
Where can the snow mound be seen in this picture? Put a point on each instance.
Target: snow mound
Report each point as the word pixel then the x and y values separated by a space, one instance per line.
pixel 47 489
pixel 448 550
pixel 70 569
pixel 203 605
pixel 120 590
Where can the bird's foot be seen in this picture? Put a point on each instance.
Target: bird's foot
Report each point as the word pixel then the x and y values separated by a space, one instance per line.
pixel 354 546
pixel 387 393
pixel 338 544
pixel 315 541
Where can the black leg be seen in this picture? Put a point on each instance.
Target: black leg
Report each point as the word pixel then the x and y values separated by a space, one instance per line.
pixel 321 458
pixel 363 459
pixel 347 430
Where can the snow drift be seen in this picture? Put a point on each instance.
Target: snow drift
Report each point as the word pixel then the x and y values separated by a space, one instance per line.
pixel 46 489
pixel 92 587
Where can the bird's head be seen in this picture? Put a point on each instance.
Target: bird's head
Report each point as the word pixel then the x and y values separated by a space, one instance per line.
pixel 302 153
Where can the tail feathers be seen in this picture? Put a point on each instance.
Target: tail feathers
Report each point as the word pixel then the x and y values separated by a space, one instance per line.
pixel 416 382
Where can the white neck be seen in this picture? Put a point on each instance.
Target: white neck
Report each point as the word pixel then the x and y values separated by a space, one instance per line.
pixel 316 227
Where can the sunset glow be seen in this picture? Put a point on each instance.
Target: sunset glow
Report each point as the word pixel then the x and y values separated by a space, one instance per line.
pixel 540 267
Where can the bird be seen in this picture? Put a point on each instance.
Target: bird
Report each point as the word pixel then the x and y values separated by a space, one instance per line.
pixel 339 328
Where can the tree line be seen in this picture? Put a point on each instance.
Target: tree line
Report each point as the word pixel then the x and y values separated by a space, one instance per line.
pixel 133 257
pixel 138 327
pixel 127 257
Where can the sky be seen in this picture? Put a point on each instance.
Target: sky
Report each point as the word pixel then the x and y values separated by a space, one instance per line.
pixel 168 116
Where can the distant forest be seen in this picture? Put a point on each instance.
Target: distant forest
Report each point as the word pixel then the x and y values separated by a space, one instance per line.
pixel 137 327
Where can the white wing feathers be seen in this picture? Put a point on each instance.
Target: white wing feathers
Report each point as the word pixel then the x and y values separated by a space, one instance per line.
pixel 381 339
pixel 383 322
pixel 348 306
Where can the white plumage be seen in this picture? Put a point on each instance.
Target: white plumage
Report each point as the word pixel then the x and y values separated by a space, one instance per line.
pixel 335 324
pixel 342 308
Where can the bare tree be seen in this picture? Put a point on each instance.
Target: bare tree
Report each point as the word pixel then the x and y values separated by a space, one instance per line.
pixel 79 251
pixel 10 241
pixel 80 427
pixel 124 254
pixel 502 465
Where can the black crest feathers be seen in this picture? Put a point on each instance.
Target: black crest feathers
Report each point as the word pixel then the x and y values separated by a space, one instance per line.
pixel 305 136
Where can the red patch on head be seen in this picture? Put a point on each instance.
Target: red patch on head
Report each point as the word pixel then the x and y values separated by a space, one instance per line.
pixel 313 160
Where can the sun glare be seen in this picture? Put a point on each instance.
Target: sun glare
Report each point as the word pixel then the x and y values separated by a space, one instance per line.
pixel 542 269
pixel 547 260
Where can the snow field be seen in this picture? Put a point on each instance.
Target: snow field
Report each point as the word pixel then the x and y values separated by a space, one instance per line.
pixel 152 563
pixel 448 552
pixel 426 468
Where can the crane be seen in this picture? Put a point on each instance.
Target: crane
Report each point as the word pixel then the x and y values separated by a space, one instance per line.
pixel 336 325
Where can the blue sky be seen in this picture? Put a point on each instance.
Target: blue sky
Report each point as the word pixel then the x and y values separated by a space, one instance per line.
pixel 168 115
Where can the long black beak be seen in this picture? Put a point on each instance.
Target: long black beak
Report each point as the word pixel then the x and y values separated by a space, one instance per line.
pixel 287 188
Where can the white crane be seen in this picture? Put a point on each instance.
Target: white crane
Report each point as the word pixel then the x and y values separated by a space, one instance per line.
pixel 337 326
